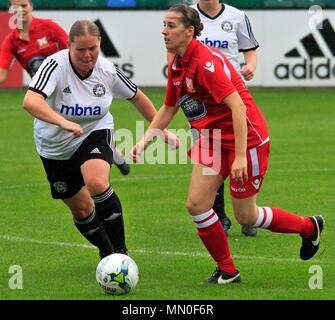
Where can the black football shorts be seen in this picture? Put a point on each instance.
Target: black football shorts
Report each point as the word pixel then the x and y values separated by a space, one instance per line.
pixel 65 177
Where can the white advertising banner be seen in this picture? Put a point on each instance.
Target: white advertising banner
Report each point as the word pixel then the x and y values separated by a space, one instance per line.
pixel 297 48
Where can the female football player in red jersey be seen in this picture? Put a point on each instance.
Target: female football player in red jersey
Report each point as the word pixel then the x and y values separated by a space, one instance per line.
pixel 31 42
pixel 233 142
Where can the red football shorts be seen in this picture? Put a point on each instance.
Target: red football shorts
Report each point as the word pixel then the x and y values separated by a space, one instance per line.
pixel 214 156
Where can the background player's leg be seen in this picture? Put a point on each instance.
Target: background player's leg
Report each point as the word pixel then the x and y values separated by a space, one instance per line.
pixel 219 208
pixel 121 162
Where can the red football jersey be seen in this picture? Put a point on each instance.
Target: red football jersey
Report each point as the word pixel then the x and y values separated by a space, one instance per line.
pixel 45 38
pixel 198 83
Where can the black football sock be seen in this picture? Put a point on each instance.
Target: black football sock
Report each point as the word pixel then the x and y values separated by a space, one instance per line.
pixel 109 211
pixel 218 205
pixel 92 229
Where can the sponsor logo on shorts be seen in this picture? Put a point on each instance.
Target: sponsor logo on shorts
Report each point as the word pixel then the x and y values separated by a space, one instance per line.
pixel 60 186
pixel 95 150
pixel 239 190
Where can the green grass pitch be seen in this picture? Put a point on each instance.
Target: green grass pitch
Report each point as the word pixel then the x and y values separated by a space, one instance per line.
pixel 37 233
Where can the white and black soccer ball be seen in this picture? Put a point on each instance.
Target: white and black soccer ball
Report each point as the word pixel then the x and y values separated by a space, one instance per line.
pixel 117 274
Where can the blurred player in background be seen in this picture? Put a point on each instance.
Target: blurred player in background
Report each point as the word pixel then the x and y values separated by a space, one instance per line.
pixel 30 43
pixel 211 93
pixel 70 97
pixel 228 30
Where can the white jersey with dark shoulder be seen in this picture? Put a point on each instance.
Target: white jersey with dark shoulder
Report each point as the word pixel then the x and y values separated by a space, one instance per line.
pixel 85 101
pixel 229 31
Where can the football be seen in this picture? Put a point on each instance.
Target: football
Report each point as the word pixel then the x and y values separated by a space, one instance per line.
pixel 117 274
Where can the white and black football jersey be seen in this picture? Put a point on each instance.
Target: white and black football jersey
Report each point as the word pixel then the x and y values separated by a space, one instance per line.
pixel 85 101
pixel 229 31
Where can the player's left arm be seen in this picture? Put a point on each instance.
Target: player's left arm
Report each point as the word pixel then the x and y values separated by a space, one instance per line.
pixel 247 44
pixel 248 70
pixel 239 170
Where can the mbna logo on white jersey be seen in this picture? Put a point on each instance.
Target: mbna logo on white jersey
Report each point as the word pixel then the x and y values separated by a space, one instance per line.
pixel 218 44
pixel 80 111
pixel 317 63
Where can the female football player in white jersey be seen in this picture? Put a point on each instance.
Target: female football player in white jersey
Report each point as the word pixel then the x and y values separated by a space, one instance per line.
pixel 228 30
pixel 70 97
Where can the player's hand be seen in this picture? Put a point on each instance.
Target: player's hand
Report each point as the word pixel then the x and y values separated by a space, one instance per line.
pixel 137 150
pixel 239 170
pixel 247 72
pixel 73 127
pixel 171 139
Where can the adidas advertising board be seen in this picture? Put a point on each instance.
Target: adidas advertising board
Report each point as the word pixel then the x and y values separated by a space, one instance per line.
pixel 293 51
pixel 305 56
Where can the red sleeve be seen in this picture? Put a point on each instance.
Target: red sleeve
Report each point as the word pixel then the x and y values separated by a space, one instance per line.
pixel 170 96
pixel 6 54
pixel 213 77
pixel 60 36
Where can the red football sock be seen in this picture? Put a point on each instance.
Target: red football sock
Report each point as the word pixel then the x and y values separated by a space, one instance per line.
pixel 279 220
pixel 212 234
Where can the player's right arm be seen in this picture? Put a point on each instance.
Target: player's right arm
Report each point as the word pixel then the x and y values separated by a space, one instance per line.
pixel 6 59
pixel 161 120
pixel 36 105
pixel 42 86
pixel 3 75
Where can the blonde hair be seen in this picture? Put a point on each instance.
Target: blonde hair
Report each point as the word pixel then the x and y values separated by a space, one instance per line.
pixel 83 28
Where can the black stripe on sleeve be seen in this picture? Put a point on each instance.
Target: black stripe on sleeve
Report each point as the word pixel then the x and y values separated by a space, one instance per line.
pixel 41 74
pixel 249 49
pixel 48 77
pixel 135 92
pixel 251 35
pixel 132 86
pixel 45 75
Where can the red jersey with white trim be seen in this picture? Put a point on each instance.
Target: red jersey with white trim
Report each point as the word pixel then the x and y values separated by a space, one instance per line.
pixel 199 81
pixel 45 38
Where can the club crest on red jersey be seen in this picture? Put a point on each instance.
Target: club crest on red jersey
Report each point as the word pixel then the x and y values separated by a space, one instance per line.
pixel 189 85
pixel 43 42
